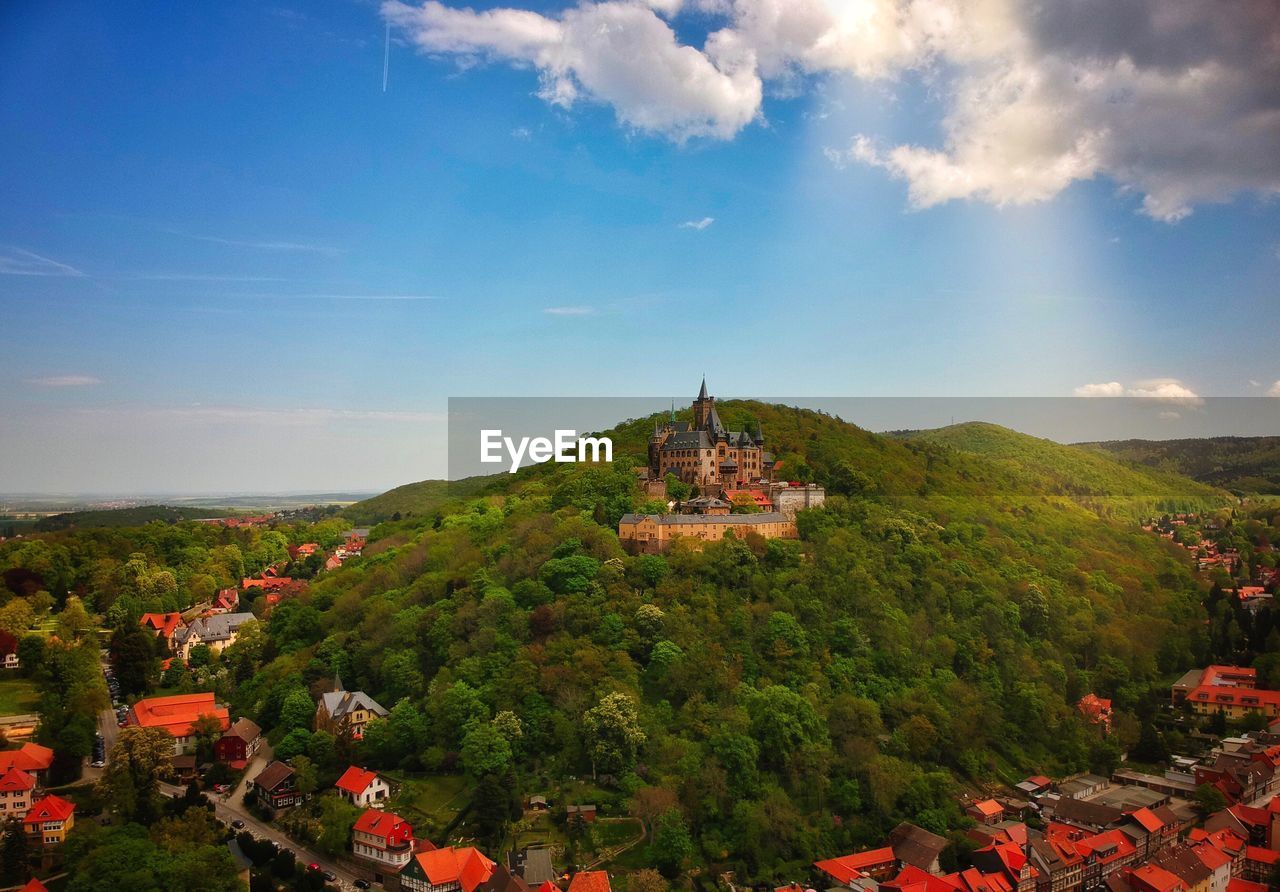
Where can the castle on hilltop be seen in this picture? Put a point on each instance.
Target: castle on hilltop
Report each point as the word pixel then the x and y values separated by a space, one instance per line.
pixel 706 454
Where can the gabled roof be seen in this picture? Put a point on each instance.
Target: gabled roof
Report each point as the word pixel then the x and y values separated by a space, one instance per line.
pixel 356 780
pixel 339 703
pixel 16 781
pixel 28 757
pixel 503 880
pixel 850 867
pixel 988 808
pixel 589 881
pixel 163 624
pixel 467 867
pixel 1147 820
pixel 50 808
pixel 1211 856
pixel 34 885
pixel 273 775
pixel 381 823
pixel 219 627
pixel 246 729
pixel 178 713
pixel 1158 878
pixel 915 846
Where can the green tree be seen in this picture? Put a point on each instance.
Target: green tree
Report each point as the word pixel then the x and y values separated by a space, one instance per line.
pixel 613 733
pixel 140 759
pixel 485 751
pixel 14 854
pixel 671 844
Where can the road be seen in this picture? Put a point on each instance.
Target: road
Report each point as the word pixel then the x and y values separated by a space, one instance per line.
pixel 230 807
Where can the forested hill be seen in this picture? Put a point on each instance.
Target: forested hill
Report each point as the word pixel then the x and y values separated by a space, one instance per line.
pixel 1241 464
pixel 413 500
pixel 933 628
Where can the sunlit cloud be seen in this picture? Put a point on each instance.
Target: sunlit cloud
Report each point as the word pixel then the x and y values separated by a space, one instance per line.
pixel 1169 390
pixel 65 381
pixel 699 225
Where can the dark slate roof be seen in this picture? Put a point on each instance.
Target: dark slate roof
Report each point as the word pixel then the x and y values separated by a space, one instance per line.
pixel 915 845
pixel 1077 811
pixel 702 394
pixel 688 440
pixel 503 880
pixel 273 775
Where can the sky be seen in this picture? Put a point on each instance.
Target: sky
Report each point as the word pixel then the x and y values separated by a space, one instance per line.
pixel 256 247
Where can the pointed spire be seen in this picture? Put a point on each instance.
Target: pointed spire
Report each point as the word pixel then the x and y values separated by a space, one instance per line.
pixel 702 394
pixel 759 432
pixel 673 411
pixel 337 681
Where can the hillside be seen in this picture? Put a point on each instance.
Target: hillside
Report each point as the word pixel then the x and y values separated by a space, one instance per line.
pixel 933 627
pixel 1240 464
pixel 126 517
pixel 412 500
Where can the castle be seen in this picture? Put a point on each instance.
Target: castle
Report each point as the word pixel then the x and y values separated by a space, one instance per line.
pixel 705 453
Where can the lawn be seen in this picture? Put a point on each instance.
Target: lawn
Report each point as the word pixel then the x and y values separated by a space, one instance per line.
pixel 18 696
pixel 431 801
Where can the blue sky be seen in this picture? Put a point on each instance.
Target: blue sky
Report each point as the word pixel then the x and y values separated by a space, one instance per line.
pixel 230 261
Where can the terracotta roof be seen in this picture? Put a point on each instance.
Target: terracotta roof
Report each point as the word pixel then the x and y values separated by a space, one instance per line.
pixel 1261 855
pixel 356 780
pixel 34 885
pixel 1211 856
pixel 15 780
pixel 1147 820
pixel 467 867
pixel 589 881
pixel 382 823
pixel 1239 885
pixel 988 807
pixel 849 867
pixel 178 713
pixel 29 757
pixel 1158 878
pixel 162 623
pixel 50 808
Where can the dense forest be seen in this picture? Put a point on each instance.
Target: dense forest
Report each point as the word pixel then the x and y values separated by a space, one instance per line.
pixel 1240 464
pixel 759 703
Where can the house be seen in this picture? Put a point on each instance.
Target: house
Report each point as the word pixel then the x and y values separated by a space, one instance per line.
pixel 275 787
pixel 344 713
pixel 217 632
pixel 362 787
pixel 585 813
pixel 1010 860
pixel 9 651
pixel 1036 785
pixel 1153 878
pixel 446 870
pixel 383 839
pixel 503 880
pixel 49 820
pixel 876 864
pixel 590 881
pixel 227 601
pixel 239 744
pixel 34 885
pixel 266 582
pixel 178 715
pixel 657 533
pixel 987 811
pixel 164 625
pixel 16 788
pixel 917 847
pixel 32 758
pixel 534 865
pixel 1096 710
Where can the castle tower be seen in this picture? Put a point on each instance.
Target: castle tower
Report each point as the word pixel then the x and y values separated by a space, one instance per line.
pixel 703 406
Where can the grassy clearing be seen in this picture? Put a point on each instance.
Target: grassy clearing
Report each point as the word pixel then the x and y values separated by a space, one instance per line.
pixel 18 696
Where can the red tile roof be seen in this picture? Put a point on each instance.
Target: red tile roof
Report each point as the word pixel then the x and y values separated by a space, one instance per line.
pixel 1147 819
pixel 34 885
pixel 178 713
pixel 850 867
pixel 1211 856
pixel 30 757
pixel 1261 855
pixel 1155 877
pixel 1238 885
pixel 14 780
pixel 162 624
pixel 356 780
pixel 50 808
pixel 384 824
pixel 589 881
pixel 467 867
pixel 988 807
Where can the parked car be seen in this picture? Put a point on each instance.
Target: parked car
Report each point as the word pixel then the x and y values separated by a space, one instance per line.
pixel 237 824
pixel 362 884
pixel 330 876
pixel 221 788
pixel 98 763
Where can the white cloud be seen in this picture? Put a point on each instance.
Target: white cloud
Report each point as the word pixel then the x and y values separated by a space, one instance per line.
pixel 1274 389
pixel 698 224
pixel 1173 100
pixel 570 311
pixel 1169 416
pixel 1110 388
pixel 65 381
pixel 16 261
pixel 285 246
pixel 1169 390
pixel 523 134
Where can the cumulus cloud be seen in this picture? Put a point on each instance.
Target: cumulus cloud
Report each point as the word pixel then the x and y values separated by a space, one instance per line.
pixel 65 381
pixel 1177 101
pixel 1274 389
pixel 1169 390
pixel 698 224
pixel 569 311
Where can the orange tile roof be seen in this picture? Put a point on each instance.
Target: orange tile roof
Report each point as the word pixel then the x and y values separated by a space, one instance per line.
pixel 1261 855
pixel 1211 856
pixel 1239 885
pixel 989 807
pixel 850 867
pixel 14 780
pixel 467 867
pixel 589 881
pixel 913 879
pixel 176 714
pixel 29 757
pixel 1148 820
pixel 383 823
pixel 1157 878
pixel 162 623
pixel 356 780
pixel 50 808
pixel 34 885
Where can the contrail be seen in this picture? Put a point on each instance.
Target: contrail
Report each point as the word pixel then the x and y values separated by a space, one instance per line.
pixel 386 58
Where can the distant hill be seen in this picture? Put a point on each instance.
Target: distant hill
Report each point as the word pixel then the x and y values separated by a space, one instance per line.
pixel 413 499
pixel 1240 464
pixel 125 517
pixel 1088 476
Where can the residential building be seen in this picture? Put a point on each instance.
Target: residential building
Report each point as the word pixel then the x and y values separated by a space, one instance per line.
pixel 16 789
pixel 503 880
pixel 178 715
pixel 383 839
pixel 362 787
pixel 275 787
pixel 49 820
pixel 590 881
pixel 986 811
pixel 1096 710
pixel 1153 878
pixel 345 713
pixel 446 870
pixel 239 744
pixel 217 632
pixel 877 864
pixel 32 758
pixel 164 625
pixel 917 847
